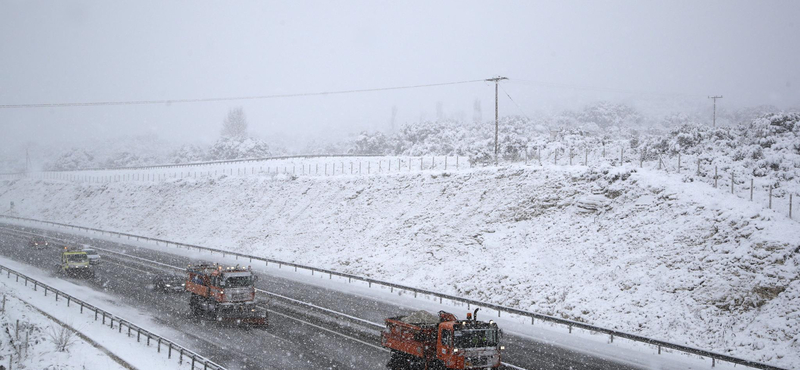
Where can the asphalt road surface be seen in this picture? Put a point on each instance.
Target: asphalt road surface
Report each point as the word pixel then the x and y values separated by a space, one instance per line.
pixel 297 338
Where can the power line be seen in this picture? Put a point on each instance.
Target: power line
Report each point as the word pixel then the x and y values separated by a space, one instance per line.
pixel 515 103
pixel 206 100
pixel 598 88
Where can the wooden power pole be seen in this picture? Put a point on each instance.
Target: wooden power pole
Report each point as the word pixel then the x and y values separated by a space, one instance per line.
pixel 715 108
pixel 496 81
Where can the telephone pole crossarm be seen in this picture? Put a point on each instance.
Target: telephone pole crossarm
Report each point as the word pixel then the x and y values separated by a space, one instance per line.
pixel 496 81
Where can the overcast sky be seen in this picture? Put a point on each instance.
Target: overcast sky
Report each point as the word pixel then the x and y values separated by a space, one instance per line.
pixel 76 51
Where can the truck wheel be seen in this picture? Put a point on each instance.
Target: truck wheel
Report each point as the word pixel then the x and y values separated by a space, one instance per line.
pixel 395 362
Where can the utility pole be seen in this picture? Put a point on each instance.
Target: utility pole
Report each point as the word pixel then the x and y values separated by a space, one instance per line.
pixel 715 107
pixel 496 81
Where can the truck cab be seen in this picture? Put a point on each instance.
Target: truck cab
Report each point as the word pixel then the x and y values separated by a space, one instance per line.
pixel 75 262
pixel 468 344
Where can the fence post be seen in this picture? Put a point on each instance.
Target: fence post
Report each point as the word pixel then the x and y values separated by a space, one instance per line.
pixel 586 157
pixel 679 162
pixel 659 161
pixel 715 176
pixel 770 196
pixel 732 182
pixel 790 206
pixel 621 157
pixel 751 189
pixel 555 157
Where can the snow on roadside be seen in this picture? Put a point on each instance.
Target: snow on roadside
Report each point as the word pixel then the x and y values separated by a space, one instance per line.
pixel 39 333
pixel 624 248
pixel 82 354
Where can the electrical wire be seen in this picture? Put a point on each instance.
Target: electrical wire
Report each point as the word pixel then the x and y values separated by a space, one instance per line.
pixel 597 88
pixel 515 103
pixel 205 100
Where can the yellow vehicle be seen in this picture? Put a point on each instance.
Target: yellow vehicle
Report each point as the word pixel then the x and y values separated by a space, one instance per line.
pixel 75 263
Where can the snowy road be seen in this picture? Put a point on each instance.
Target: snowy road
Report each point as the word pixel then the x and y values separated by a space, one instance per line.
pixel 294 339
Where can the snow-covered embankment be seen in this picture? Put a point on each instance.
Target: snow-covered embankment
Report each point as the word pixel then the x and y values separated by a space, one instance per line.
pixel 631 249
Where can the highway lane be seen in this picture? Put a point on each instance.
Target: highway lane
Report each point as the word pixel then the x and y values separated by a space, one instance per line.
pixel 520 351
pixel 286 344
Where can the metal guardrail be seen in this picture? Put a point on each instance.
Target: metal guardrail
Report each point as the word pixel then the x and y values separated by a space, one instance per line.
pixel 197 361
pixel 469 302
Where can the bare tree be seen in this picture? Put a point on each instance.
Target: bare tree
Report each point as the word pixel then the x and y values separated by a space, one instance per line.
pixel 62 337
pixel 477 114
pixel 235 125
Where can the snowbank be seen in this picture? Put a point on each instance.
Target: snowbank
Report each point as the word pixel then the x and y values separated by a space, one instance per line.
pixel 624 248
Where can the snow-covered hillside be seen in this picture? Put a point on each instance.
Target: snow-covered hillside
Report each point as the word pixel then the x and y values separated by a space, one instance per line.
pixel 621 247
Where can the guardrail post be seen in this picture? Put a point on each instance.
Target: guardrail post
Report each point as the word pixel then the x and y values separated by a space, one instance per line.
pixel 531 320
pixel 104 317
pixel 81 307
pixel 45 291
pixel 169 352
pixel 659 350
pixel 35 285
pixel 180 356
pixel 95 314
pixel 148 340
pixel 713 362
pixel 612 338
pixel 570 329
pixel 112 323
pixel 158 346
pixel 129 330
pixel 193 359
pixel 138 334
pixel 56 296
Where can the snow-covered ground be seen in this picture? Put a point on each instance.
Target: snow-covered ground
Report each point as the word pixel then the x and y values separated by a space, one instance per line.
pixel 94 348
pixel 626 248
pixel 36 348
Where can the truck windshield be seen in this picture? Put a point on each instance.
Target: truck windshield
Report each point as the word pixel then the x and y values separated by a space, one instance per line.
pixel 475 338
pixel 77 258
pixel 238 281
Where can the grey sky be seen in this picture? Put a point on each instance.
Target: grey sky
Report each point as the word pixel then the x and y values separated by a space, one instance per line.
pixel 74 51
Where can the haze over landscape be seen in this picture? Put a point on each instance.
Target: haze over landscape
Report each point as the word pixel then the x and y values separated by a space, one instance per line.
pixel 634 206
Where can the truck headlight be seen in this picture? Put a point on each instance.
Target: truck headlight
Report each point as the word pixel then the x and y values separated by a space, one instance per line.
pixel 502 348
pixel 455 350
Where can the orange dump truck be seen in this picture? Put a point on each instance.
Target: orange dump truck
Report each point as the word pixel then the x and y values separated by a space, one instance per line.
pixel 224 294
pixel 423 341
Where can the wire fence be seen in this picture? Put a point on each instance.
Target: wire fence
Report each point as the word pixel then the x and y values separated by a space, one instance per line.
pixel 106 318
pixel 292 166
pixel 659 344
pixel 769 193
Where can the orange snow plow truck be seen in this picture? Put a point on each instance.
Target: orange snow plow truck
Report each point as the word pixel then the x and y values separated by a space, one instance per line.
pixel 423 341
pixel 225 294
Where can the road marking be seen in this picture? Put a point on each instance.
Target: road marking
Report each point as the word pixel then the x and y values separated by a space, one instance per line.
pixel 332 332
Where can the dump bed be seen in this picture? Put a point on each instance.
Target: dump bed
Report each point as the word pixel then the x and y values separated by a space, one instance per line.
pixel 418 339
